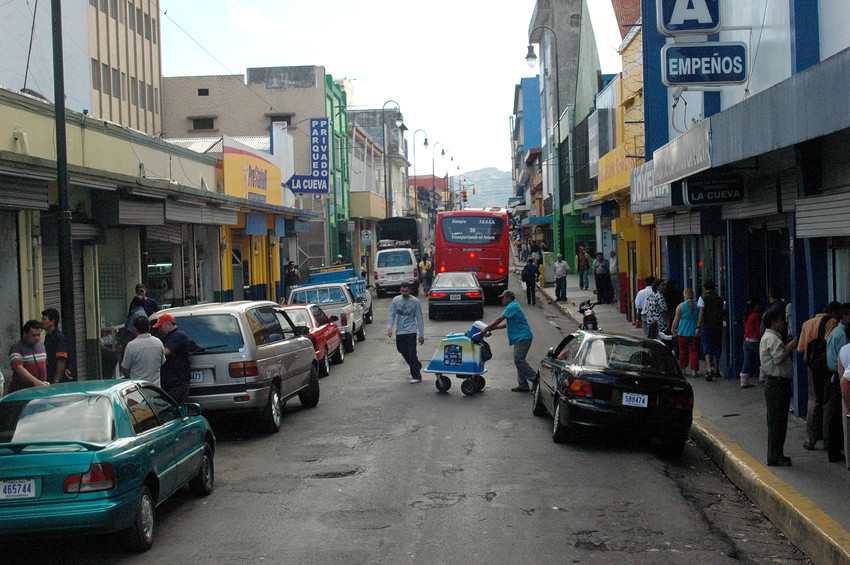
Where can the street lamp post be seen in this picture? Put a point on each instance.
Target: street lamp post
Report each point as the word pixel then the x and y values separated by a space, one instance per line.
pixel 433 177
pixel 388 178
pixel 415 188
pixel 531 58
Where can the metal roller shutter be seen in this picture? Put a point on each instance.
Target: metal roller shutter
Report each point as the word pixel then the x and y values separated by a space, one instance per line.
pixel 170 233
pixel 20 193
pixel 52 297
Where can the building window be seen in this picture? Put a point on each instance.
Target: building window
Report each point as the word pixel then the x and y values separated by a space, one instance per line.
pixel 147 26
pixel 93 3
pixel 154 30
pixel 203 123
pixel 104 6
pixel 105 75
pixel 131 20
pixel 141 95
pixel 285 119
pixel 156 101
pixel 121 12
pixel 134 94
pixel 113 9
pixel 139 22
pixel 95 74
pixel 203 92
pixel 123 85
pixel 150 98
pixel 116 83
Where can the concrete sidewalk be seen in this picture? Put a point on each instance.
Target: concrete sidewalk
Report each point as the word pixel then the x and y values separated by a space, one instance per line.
pixel 808 502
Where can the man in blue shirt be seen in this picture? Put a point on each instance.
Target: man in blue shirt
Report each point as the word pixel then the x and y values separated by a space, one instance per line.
pixel 833 430
pixel 519 336
pixel 174 373
pixel 406 314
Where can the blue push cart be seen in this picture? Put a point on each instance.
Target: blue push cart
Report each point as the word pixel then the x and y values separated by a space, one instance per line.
pixel 464 355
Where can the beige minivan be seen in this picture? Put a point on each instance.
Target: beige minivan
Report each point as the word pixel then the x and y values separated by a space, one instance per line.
pixel 247 356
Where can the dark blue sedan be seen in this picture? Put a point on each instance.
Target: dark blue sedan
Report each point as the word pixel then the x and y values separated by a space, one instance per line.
pixel 98 456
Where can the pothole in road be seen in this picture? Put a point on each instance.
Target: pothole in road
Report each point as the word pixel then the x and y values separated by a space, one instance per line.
pixel 336 473
pixel 438 500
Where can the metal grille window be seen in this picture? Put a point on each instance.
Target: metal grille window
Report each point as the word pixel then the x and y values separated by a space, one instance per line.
pixel 104 6
pixel 134 93
pixel 203 92
pixel 154 29
pixel 123 86
pixel 203 123
pixel 141 95
pixel 116 83
pixel 111 278
pixel 151 102
pixel 131 19
pixel 113 9
pixel 156 100
pixel 105 74
pixel 139 22
pixel 93 3
pixel 147 26
pixel 95 74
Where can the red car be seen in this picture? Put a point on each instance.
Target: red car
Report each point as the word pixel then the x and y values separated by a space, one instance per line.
pixel 324 334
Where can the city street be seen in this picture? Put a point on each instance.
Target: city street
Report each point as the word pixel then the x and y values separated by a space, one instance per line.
pixel 384 471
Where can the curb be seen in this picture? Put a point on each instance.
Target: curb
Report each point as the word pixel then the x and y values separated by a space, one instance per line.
pixel 811 529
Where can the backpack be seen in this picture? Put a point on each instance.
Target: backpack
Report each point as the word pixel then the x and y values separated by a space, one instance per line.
pixel 816 350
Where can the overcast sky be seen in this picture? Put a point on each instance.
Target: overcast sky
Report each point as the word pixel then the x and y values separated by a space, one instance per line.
pixel 450 64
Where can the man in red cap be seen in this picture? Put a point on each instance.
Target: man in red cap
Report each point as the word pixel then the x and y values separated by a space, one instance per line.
pixel 174 374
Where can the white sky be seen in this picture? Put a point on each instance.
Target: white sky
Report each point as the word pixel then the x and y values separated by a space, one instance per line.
pixel 450 64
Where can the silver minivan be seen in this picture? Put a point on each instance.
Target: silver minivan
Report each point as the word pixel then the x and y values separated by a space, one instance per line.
pixel 247 356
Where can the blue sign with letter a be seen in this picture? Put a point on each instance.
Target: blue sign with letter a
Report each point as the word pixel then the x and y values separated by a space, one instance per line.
pixel 679 17
pixel 318 181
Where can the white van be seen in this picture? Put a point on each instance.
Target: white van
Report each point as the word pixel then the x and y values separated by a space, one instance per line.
pixel 393 267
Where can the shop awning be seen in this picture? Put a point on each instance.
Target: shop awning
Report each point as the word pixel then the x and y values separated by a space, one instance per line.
pixel 537 220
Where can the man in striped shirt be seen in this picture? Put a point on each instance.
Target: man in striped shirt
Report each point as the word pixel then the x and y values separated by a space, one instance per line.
pixel 28 359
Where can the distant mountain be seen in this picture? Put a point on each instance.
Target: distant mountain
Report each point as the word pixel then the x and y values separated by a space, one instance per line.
pixel 492 187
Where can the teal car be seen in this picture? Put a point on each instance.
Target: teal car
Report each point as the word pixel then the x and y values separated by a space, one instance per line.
pixel 98 456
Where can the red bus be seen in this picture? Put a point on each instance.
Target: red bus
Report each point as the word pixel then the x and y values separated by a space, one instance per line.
pixel 477 240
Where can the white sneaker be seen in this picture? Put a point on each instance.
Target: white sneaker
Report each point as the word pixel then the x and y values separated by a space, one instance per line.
pixel 412 380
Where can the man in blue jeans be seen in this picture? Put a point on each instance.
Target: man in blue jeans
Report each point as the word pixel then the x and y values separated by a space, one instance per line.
pixel 519 336
pixel 406 313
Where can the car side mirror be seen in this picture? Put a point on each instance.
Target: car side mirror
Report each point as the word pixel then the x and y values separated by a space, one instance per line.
pixel 360 299
pixel 301 330
pixel 334 318
pixel 190 409
pixel 551 352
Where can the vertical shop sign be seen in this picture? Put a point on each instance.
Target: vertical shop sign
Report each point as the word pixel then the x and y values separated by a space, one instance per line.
pixel 318 181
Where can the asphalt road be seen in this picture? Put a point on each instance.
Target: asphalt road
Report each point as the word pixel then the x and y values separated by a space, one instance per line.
pixel 383 471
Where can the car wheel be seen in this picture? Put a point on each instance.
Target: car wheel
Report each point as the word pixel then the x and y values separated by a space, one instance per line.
pixel 468 386
pixel 381 293
pixel 431 314
pixel 673 448
pixel 361 333
pixel 325 364
pixel 202 484
pixel 369 316
pixel 309 397
pixel 443 383
pixel 139 536
pixel 479 314
pixel 560 433
pixel 538 408
pixel 273 414
pixel 339 355
pixel 348 344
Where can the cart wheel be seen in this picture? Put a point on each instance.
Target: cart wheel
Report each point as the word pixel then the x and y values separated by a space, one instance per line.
pixel 479 381
pixel 443 383
pixel 469 386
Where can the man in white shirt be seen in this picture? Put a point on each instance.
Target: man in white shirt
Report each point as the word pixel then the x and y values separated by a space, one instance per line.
pixel 561 270
pixel 640 302
pixel 144 355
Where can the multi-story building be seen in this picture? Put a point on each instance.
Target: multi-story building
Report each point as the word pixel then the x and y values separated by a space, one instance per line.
pixel 112 56
pixel 391 121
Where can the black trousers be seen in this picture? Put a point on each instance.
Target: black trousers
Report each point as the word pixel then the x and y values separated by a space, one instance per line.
pixel 531 292
pixel 177 390
pixel 777 396
pixel 818 381
pixel 833 426
pixel 406 345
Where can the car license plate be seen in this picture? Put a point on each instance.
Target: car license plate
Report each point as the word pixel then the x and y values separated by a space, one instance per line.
pixel 632 399
pixel 17 489
pixel 196 377
pixel 395 277
pixel 454 297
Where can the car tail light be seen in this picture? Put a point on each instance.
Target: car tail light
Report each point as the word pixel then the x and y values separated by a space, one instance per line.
pixel 243 369
pixel 472 255
pixel 437 295
pixel 343 319
pixel 100 476
pixel 684 403
pixel 475 293
pixel 501 270
pixel 581 388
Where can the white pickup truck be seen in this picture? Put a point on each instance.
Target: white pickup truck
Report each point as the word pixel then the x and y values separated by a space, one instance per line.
pixel 335 299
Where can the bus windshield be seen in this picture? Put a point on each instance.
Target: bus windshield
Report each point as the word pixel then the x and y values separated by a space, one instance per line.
pixel 474 230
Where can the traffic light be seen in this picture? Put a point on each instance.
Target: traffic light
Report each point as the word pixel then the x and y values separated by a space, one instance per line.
pixel 463 195
pixel 473 190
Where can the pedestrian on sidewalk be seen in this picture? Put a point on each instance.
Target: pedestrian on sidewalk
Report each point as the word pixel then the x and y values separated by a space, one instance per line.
pixel 775 302
pixel 529 276
pixel 535 250
pixel 752 336
pixel 844 372
pixel 812 345
pixel 144 356
pixel 673 296
pixel 615 275
pixel 582 265
pixel 519 336
pixel 28 359
pixel 56 346
pixel 148 302
pixel 174 373
pixel 775 356
pixel 640 302
pixel 543 249
pixel 656 307
pixel 684 331
pixel 561 270
pixel 406 316
pixel 602 276
pixel 833 426
pixel 709 328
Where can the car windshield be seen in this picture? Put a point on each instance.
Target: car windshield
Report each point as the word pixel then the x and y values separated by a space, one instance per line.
pixel 299 316
pixel 455 280
pixel 472 229
pixel 630 355
pixel 320 296
pixel 394 259
pixel 211 334
pixel 77 417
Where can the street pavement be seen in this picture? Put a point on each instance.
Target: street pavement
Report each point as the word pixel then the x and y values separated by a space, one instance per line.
pixel 807 501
